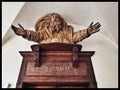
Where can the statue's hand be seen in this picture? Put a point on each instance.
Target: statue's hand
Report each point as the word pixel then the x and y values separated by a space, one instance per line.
pixel 93 28
pixel 19 31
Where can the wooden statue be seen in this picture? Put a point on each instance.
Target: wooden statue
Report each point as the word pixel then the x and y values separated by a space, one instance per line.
pixel 60 63
pixel 53 28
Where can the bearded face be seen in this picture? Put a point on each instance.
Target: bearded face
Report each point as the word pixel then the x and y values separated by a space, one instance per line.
pixel 56 22
pixel 52 21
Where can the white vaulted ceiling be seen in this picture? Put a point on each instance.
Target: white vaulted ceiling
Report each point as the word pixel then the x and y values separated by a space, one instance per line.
pixel 9 11
pixel 80 13
pixel 105 42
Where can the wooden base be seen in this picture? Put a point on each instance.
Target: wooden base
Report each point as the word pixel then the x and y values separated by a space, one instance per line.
pixel 56 65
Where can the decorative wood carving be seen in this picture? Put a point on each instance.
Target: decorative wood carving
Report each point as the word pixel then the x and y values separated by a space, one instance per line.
pixel 75 57
pixel 56 68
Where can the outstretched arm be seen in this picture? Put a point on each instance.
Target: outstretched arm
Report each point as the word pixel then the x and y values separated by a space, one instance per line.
pixel 83 34
pixel 27 34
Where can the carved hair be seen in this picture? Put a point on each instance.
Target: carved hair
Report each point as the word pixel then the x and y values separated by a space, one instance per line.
pixel 47 22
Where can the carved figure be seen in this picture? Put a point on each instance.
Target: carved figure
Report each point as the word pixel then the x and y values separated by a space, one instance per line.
pixel 53 28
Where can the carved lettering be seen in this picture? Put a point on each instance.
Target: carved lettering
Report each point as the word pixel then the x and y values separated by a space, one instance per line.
pixel 56 69
pixel 53 68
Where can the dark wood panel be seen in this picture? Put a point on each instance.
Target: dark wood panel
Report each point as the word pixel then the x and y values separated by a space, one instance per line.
pixel 43 68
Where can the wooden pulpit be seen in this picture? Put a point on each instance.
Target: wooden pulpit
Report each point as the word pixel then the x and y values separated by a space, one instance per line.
pixel 56 65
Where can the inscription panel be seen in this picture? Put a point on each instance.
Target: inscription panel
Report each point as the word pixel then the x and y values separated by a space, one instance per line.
pixel 56 69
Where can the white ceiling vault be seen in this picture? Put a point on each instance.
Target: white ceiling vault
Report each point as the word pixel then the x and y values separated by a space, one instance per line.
pixel 78 14
pixel 9 12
